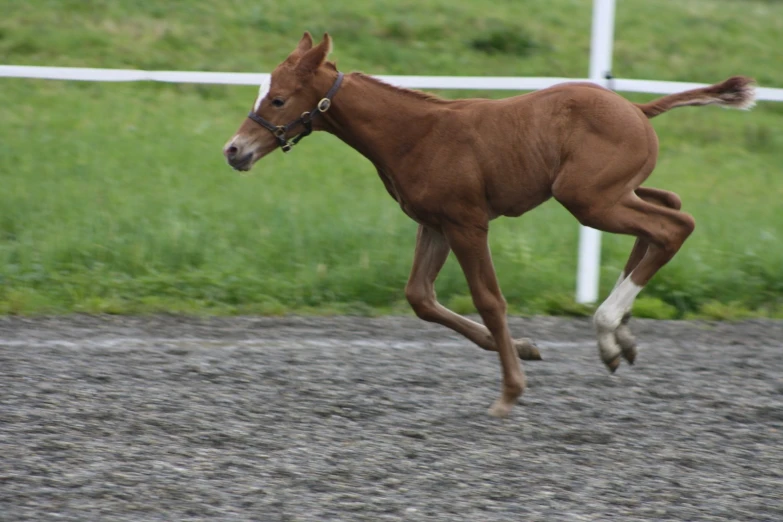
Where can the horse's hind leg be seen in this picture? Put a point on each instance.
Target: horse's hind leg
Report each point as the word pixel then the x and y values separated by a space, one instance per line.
pixel 432 250
pixel 660 197
pixel 664 229
pixel 625 339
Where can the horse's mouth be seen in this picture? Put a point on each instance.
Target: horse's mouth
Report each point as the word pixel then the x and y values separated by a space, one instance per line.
pixel 242 164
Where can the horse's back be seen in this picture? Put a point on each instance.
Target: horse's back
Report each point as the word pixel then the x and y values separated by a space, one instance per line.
pixel 522 143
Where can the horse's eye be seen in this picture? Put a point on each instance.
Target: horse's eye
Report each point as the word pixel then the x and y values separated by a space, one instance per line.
pixel 278 102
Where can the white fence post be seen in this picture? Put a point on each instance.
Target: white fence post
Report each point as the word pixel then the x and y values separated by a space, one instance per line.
pixel 589 263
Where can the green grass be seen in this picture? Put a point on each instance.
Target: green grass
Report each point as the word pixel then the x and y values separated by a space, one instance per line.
pixel 115 198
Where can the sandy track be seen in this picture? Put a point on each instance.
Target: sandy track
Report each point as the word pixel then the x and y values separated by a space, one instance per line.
pixel 282 419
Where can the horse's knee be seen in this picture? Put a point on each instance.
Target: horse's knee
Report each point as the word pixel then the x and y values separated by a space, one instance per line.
pixel 422 302
pixel 491 308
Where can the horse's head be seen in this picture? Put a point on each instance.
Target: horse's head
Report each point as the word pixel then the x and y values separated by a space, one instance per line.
pixel 284 109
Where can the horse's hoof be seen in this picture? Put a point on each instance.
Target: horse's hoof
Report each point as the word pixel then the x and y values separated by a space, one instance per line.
pixel 500 409
pixel 627 343
pixel 613 364
pixel 527 350
pixel 630 354
pixel 609 349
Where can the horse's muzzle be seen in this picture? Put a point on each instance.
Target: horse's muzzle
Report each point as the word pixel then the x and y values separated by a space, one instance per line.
pixel 236 157
pixel 243 162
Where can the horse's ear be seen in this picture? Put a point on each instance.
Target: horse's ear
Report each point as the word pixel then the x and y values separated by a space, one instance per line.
pixel 316 56
pixel 305 44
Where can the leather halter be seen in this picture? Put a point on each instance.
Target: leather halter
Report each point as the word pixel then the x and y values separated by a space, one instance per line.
pixel 306 119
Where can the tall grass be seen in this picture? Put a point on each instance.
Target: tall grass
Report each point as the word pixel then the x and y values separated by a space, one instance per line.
pixel 115 198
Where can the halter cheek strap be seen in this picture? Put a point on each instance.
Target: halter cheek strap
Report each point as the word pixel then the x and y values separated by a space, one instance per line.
pixel 306 119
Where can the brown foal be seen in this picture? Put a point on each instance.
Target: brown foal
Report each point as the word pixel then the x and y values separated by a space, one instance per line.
pixel 454 165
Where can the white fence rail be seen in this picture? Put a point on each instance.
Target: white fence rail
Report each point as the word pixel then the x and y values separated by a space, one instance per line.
pixel 600 67
pixel 497 83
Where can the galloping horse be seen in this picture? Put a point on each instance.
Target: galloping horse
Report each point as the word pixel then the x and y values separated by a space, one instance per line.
pixel 454 165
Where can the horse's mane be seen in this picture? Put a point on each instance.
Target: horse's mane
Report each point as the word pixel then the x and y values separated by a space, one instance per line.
pixel 408 92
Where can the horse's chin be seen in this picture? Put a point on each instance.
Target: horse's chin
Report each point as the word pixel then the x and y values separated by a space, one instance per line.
pixel 246 163
pixel 243 162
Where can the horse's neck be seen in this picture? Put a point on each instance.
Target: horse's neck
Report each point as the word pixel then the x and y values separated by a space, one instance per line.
pixel 379 121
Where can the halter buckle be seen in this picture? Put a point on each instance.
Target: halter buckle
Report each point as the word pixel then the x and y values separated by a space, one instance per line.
pixel 324 104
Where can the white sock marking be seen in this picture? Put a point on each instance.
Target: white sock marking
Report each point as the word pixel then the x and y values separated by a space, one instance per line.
pixel 610 313
pixel 620 279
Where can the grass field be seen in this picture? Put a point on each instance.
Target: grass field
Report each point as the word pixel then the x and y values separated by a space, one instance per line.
pixel 115 198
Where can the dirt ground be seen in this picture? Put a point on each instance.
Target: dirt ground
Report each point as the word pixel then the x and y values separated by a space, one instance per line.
pixel 339 418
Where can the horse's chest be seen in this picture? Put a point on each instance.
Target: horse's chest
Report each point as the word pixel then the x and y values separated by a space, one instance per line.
pixel 412 208
pixel 413 212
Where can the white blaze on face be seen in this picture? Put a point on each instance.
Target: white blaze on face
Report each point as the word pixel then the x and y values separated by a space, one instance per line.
pixel 263 90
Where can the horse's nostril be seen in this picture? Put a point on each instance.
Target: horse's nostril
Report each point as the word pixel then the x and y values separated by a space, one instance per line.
pixel 231 151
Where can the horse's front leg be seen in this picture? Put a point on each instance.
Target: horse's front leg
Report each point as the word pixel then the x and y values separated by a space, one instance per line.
pixel 432 250
pixel 469 244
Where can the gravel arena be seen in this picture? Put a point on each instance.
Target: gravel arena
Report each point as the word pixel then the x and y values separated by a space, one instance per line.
pixel 345 418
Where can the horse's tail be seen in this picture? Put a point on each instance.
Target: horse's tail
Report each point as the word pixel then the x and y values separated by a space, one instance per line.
pixel 737 92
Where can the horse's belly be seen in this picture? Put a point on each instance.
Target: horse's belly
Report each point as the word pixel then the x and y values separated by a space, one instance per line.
pixel 514 199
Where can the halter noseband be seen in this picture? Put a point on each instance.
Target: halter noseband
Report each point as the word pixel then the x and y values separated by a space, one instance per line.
pixel 306 119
